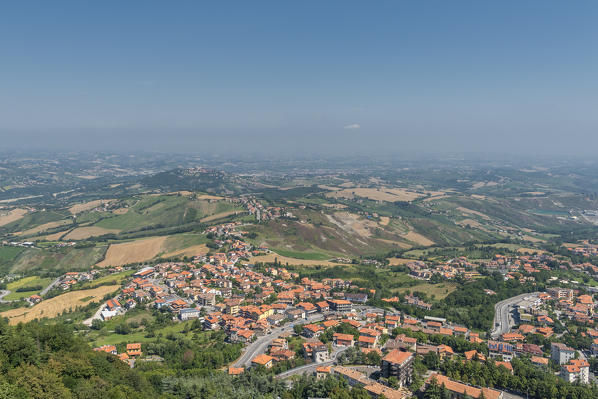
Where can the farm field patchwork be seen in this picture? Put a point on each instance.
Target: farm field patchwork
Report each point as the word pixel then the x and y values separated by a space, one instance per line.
pixel 110 279
pixel 13 215
pixel 418 239
pixel 86 206
pixel 63 259
pixel 376 194
pixel 43 227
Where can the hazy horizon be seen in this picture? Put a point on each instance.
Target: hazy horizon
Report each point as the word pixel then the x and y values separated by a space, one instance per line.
pixel 337 78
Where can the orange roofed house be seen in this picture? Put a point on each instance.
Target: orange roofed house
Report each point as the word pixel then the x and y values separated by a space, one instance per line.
pixel 235 370
pixel 263 360
pixel 340 339
pixel 134 349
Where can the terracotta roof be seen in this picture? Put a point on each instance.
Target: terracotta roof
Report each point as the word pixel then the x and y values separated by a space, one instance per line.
pixel 235 370
pixel 539 360
pixel 378 389
pixel 571 368
pixel 369 340
pixel 506 365
pixel 580 362
pixel 323 369
pixel 397 357
pixel 342 337
pixel 262 359
pixel 445 349
pixel 460 388
pixel 473 354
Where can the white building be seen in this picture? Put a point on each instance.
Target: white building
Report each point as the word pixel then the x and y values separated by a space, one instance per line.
pixel 561 353
pixel 576 370
pixel 189 313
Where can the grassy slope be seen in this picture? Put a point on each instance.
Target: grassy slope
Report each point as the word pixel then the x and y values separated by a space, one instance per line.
pixel 59 260
pixel 33 220
pixel 165 211
pixel 181 241
pixel 319 238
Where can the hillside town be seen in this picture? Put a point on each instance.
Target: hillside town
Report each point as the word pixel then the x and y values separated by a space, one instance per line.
pixel 329 323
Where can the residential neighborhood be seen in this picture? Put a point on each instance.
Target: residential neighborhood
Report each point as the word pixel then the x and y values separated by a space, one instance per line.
pixel 321 325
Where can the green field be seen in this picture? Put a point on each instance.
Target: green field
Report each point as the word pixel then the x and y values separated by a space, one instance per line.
pixel 31 281
pixel 9 253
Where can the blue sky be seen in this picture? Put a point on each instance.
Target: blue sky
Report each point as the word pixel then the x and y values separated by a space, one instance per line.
pixel 336 76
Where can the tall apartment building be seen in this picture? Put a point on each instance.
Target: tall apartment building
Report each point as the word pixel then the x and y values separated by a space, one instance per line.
pixel 398 364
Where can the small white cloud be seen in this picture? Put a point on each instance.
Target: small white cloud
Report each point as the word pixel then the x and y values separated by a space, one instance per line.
pixel 145 83
pixel 352 126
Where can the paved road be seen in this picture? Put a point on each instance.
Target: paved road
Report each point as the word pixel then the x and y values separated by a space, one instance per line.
pixel 261 344
pixel 49 287
pixel 311 367
pixel 96 315
pixel 502 317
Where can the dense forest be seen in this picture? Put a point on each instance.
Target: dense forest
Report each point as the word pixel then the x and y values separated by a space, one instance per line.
pixel 49 361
